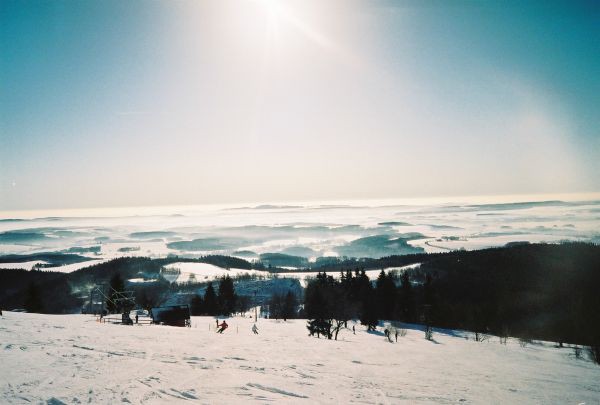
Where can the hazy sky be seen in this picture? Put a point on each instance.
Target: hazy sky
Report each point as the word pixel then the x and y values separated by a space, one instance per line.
pixel 116 103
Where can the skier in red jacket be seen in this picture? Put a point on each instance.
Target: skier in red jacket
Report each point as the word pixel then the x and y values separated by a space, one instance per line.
pixel 223 326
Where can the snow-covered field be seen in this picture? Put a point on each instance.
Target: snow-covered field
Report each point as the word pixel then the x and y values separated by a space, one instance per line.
pixel 74 359
pixel 303 276
pixel 203 272
pixel 66 268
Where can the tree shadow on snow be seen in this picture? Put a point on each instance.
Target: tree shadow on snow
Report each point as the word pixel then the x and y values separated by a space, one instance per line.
pixel 421 328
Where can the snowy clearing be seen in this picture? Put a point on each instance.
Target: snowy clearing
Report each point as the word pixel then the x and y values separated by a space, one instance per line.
pixel 22 265
pixel 208 272
pixel 72 359
pixel 69 268
pixel 66 268
pixel 203 272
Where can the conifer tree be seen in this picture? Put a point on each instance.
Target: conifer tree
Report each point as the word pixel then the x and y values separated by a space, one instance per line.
pixel 406 301
pixel 227 297
pixel 197 305
pixel 33 299
pixel 210 300
pixel 386 295
pixel 289 306
pixel 117 285
pixel 368 313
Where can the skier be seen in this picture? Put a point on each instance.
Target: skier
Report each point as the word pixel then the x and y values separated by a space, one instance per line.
pixel 223 326
pixel 353 329
pixel 136 318
pixel 255 329
pixel 396 335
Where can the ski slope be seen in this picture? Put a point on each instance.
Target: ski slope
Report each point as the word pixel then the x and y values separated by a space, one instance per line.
pixel 71 359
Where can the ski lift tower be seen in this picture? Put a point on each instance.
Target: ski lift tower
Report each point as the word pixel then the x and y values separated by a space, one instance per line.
pixel 122 301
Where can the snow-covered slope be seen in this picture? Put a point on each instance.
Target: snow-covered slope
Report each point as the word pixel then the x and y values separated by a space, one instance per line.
pixel 204 272
pixel 74 359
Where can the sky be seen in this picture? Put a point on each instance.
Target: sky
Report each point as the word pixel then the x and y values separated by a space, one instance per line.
pixel 129 103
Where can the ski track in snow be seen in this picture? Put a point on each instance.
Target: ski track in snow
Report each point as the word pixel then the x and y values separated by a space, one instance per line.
pixel 72 359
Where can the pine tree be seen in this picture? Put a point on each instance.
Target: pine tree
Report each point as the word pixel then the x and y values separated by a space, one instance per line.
pixel 197 305
pixel 210 300
pixel 317 306
pixel 116 286
pixel 386 295
pixel 428 307
pixel 368 313
pixel 289 306
pixel 276 306
pixel 33 299
pixel 227 297
pixel 405 307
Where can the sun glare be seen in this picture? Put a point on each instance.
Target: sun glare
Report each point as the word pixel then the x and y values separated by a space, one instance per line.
pixel 278 13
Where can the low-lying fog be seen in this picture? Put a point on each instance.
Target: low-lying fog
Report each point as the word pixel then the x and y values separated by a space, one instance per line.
pixel 304 230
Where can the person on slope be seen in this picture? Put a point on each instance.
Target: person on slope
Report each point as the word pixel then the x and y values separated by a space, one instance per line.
pixel 255 329
pixel 223 327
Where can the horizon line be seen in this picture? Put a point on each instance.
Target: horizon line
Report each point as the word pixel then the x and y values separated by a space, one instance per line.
pixel 40 213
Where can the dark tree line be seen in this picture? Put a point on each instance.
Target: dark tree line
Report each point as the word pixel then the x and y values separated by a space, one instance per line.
pixel 283 306
pixel 225 302
pixel 329 303
pixel 336 264
pixel 37 291
pixel 541 291
pixel 547 292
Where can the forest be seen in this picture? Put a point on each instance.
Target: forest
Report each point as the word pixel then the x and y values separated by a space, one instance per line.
pixel 542 291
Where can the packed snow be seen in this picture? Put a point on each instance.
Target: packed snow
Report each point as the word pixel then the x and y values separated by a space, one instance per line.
pixel 58 359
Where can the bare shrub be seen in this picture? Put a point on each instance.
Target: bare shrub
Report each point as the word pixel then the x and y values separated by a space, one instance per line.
pixel 523 342
pixel 428 332
pixel 504 335
pixel 481 337
pixel 594 352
